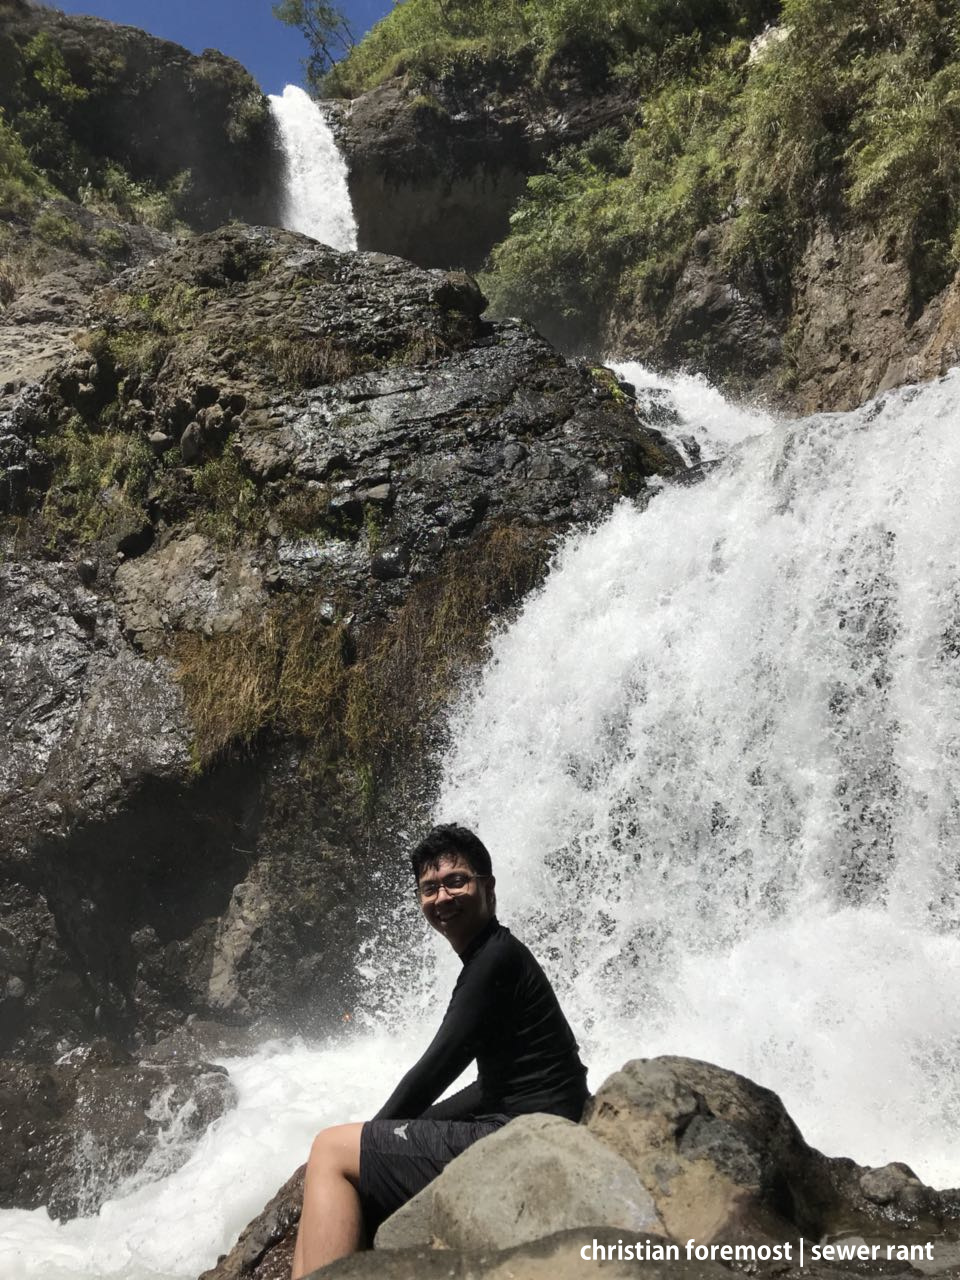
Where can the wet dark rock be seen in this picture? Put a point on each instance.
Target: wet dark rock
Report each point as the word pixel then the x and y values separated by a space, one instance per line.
pixel 264 1250
pixel 361 427
pixel 199 1039
pixel 435 170
pixel 394 562
pixel 76 1130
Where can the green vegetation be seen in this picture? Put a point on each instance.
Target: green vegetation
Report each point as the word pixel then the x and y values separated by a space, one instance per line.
pixel 22 186
pixel 431 37
pixel 856 110
pixel 46 61
pixel 326 30
pixel 231 504
pixel 362 698
pixel 57 229
pixel 128 351
pixel 99 483
pixel 115 194
pixel 92 120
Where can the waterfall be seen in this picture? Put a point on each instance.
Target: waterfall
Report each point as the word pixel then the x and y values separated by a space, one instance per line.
pixel 317 198
pixel 717 762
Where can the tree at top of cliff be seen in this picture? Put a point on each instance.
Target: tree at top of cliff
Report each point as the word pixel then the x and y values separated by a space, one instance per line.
pixel 327 31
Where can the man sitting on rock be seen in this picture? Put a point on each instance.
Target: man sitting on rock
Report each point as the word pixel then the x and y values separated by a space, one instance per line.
pixel 503 1013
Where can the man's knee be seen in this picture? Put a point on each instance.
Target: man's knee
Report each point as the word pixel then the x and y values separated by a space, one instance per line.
pixel 337 1150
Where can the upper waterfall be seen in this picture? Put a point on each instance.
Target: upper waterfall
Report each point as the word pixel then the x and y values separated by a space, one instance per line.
pixel 317 197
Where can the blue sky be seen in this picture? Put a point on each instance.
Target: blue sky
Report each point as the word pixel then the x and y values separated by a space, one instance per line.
pixel 245 29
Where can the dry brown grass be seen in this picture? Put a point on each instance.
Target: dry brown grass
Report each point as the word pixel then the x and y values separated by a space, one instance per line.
pixel 424 347
pixel 304 510
pixel 365 697
pixel 284 672
pixel 310 362
pixel 11 281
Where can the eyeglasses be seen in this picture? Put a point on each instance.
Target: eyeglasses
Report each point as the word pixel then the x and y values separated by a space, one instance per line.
pixel 456 882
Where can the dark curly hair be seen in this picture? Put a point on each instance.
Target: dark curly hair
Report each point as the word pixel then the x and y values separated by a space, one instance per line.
pixel 449 839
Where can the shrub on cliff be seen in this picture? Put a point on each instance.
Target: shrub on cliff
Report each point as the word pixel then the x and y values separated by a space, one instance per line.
pixel 852 108
pixel 21 185
pixel 133 126
pixel 427 36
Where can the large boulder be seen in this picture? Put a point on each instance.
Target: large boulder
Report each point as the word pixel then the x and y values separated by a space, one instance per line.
pixel 671 1150
pixel 536 1176
pixel 723 1160
pixel 563 1255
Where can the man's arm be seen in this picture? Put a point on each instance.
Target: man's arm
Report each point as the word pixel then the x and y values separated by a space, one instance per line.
pixel 462 1105
pixel 455 1044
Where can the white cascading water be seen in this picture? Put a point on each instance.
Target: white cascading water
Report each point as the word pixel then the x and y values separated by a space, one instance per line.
pixel 716 761
pixel 317 198
pixel 718 758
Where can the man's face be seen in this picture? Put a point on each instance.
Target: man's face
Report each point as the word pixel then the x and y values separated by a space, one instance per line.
pixel 458 915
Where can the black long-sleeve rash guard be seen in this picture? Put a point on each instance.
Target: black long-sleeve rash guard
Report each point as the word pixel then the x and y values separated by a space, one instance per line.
pixel 504 1013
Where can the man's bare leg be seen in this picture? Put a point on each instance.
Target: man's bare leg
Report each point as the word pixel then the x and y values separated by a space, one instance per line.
pixel 331 1224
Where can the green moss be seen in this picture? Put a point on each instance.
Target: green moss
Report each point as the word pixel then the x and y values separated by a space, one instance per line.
pixel 180 307
pixel 374 523
pixel 607 380
pixel 429 104
pixel 60 231
pixel 99 483
pixel 231 504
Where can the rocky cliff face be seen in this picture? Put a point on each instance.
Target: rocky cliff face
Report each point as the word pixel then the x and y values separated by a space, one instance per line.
pixel 255 522
pixel 86 95
pixel 846 326
pixel 436 169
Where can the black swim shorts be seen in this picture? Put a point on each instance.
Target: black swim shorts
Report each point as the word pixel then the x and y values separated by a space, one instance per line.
pixel 398 1158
